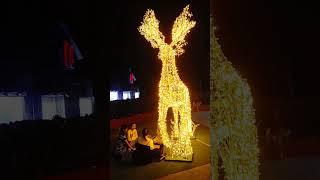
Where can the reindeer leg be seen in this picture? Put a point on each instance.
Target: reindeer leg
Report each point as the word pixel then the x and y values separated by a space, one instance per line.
pixel 184 138
pixel 162 109
pixel 187 115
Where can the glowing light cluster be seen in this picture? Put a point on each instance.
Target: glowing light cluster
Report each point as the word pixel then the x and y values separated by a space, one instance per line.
pixel 234 135
pixel 172 92
pixel 136 95
pixel 114 95
pixel 126 95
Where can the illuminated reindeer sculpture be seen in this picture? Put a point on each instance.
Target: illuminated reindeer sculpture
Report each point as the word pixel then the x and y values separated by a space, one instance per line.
pixel 233 126
pixel 172 92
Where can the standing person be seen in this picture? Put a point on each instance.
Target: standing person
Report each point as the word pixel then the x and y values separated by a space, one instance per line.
pixel 123 148
pixel 132 134
pixel 198 104
pixel 156 150
pixel 268 142
pixel 283 142
pixel 194 127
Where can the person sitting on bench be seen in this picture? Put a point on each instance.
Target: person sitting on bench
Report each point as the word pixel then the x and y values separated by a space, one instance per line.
pixel 156 151
pixel 157 139
pixel 123 149
pixel 132 134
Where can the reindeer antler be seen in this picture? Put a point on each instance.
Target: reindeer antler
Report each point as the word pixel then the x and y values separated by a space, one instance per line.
pixel 181 28
pixel 150 29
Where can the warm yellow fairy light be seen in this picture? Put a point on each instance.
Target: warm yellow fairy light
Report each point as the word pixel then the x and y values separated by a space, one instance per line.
pixel 172 92
pixel 234 134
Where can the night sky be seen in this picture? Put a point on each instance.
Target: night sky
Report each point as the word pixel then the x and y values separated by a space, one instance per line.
pixel 130 49
pixel 274 45
pixel 31 40
pixel 275 40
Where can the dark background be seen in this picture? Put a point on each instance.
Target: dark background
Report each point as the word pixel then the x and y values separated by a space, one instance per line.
pixel 274 45
pixel 32 41
pixel 30 60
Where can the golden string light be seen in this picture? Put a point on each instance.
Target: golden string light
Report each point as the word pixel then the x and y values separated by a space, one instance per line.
pixel 172 92
pixel 234 135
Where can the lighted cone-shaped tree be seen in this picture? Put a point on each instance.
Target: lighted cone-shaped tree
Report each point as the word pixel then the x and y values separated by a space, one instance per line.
pixel 172 92
pixel 234 134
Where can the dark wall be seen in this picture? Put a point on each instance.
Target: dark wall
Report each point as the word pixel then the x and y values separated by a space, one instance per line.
pixel 127 107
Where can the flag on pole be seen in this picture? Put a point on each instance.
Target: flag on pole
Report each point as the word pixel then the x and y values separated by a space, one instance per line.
pixel 77 53
pixel 68 57
pixel 132 78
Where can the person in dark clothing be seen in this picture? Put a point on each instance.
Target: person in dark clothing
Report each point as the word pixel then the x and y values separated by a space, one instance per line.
pixel 123 149
pixel 155 150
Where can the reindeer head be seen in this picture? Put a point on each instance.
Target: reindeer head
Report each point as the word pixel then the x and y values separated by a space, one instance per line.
pixel 181 27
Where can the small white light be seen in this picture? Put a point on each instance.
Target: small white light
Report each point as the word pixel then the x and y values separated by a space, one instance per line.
pixel 113 95
pixel 126 95
pixel 136 95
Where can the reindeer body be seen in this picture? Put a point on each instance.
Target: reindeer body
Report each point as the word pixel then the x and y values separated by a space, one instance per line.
pixel 234 135
pixel 176 92
pixel 172 91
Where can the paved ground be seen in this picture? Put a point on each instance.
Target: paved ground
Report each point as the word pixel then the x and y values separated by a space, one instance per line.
pixel 197 173
pixel 300 168
pixel 163 168
pixel 101 173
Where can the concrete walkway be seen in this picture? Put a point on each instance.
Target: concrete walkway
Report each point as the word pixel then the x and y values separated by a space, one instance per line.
pixel 201 117
pixel 302 168
pixel 198 173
